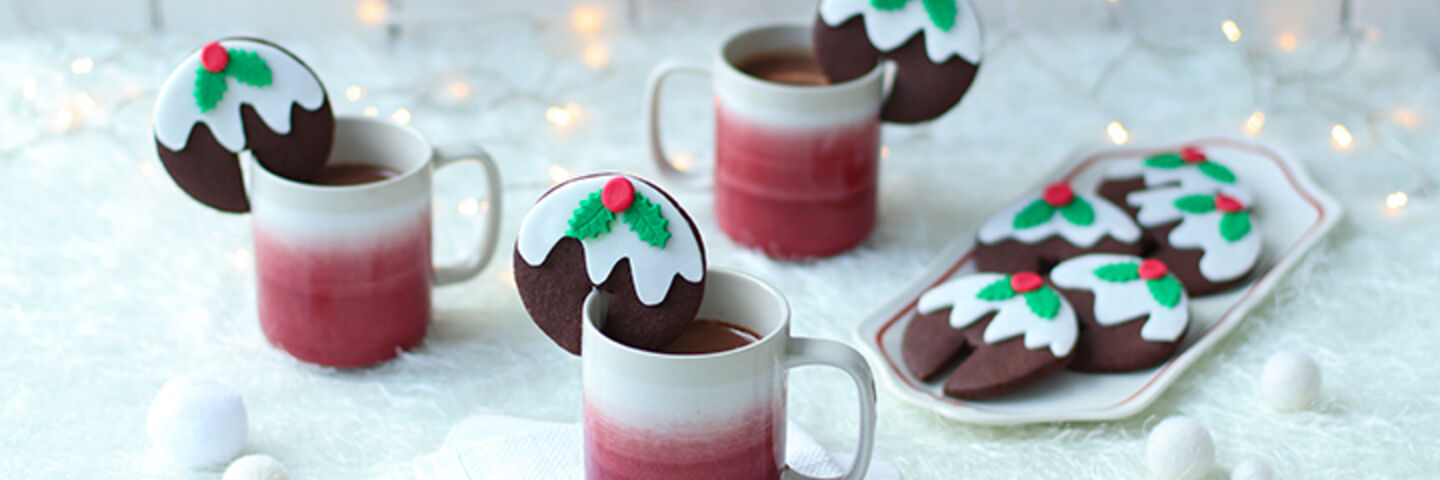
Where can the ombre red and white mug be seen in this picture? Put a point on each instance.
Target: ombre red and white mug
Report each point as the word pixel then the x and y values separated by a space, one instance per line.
pixel 720 415
pixel 344 273
pixel 796 166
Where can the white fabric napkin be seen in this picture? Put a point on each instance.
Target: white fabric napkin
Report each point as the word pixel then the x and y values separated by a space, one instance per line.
pixel 499 447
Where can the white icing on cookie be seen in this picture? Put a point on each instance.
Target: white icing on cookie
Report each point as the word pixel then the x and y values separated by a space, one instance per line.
pixel 1119 303
pixel 652 269
pixel 1188 176
pixel 176 111
pixel 888 30
pixel 1222 260
pixel 1014 317
pixel 1109 220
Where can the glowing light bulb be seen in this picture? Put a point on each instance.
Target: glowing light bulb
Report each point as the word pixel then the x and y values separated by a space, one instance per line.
pixel 241 259
pixel 558 174
pixel 370 111
pixel 1287 42
pixel 1341 138
pixel 63 120
pixel 84 104
pixel 562 116
pixel 1406 117
pixel 82 65
pixel 1254 123
pixel 147 168
pixel 401 116
pixel 884 151
pixel 30 89
pixel 1396 200
pixel 682 161
pixel 585 20
pixel 354 93
pixel 468 207
pixel 372 11
pixel 1231 30
pixel 596 56
pixel 459 89
pixel 1117 133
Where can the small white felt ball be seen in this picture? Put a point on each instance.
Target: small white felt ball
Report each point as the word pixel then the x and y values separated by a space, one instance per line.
pixel 197 422
pixel 1250 469
pixel 256 467
pixel 1291 381
pixel 1180 448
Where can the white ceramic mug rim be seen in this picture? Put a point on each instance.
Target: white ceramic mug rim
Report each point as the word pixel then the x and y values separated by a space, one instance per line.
pixel 340 121
pixel 596 295
pixel 807 90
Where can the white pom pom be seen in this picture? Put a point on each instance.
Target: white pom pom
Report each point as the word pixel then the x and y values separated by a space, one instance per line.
pixel 197 422
pixel 1291 381
pixel 1180 448
pixel 1250 469
pixel 256 467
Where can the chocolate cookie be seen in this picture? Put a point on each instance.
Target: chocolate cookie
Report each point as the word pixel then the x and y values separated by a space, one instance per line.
pixel 935 44
pixel 1132 312
pixel 1001 332
pixel 241 94
pixel 623 235
pixel 1208 239
pixel 1189 167
pixel 1043 230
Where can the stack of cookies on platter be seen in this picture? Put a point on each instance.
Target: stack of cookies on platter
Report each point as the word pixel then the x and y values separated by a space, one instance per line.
pixel 1093 282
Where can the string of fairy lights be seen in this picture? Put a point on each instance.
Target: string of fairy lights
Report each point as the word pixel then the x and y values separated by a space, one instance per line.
pixel 452 89
pixel 1268 78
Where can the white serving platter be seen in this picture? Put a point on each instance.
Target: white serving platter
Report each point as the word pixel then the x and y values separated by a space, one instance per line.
pixel 1290 211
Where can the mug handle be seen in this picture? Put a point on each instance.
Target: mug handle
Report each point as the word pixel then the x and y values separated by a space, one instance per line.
pixel 650 127
pixel 471 265
pixel 814 351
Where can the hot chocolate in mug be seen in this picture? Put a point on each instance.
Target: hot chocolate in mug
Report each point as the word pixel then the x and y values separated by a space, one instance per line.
pixel 796 164
pixel 661 416
pixel 344 270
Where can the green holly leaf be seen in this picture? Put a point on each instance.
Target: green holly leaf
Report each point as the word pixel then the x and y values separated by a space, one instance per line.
pixel 1165 160
pixel 1195 203
pixel 209 89
pixel 1119 272
pixel 1166 290
pixel 997 291
pixel 1078 212
pixel 591 219
pixel 1216 171
pixel 888 5
pixel 1034 214
pixel 646 220
pixel 1043 302
pixel 1234 226
pixel 248 68
pixel 942 13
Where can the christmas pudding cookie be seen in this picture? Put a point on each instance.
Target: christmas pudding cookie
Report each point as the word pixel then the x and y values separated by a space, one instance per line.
pixel 1132 312
pixel 241 94
pixel 1043 230
pixel 620 234
pixel 1189 167
pixel 935 44
pixel 1006 332
pixel 1208 239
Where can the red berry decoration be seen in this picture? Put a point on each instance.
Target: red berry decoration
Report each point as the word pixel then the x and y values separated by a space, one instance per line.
pixel 1192 155
pixel 214 57
pixel 618 194
pixel 1058 194
pixel 1227 204
pixel 1151 269
pixel 1024 282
